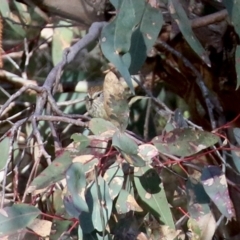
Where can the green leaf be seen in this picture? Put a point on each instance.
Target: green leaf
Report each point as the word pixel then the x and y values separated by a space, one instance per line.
pixel 4 149
pixel 126 202
pixel 198 200
pixel 215 185
pixel 70 207
pixel 124 143
pixel 93 235
pixel 114 177
pixel 128 148
pixel 99 126
pixel 100 207
pixel 58 228
pixel 97 147
pixel 16 217
pixel 233 8
pixel 52 174
pixel 116 3
pixel 236 132
pixel 178 13
pixel 83 140
pixel 184 142
pixel 6 13
pixel 144 37
pixel 62 38
pixel 151 191
pixel 236 158
pixel 124 24
pixel 76 185
pixel 107 46
pixel 201 222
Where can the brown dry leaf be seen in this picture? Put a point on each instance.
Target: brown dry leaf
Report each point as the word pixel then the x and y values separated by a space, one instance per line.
pixel 133 204
pixel 115 101
pixel 41 227
pixel 168 233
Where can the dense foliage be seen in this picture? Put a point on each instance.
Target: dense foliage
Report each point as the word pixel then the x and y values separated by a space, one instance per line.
pixel 162 162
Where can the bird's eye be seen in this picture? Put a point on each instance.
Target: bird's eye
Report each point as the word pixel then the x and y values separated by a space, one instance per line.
pixel 99 94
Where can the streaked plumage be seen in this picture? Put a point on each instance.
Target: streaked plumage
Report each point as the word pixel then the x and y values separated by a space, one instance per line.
pixel 95 104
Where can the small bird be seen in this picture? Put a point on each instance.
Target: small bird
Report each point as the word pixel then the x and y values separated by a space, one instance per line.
pixel 95 103
pixel 109 100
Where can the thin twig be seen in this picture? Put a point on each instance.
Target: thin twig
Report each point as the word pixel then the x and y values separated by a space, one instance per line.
pixel 147 118
pixel 61 119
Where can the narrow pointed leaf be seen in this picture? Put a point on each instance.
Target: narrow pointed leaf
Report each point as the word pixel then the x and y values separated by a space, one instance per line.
pixel 76 185
pixel 184 142
pixel 16 217
pixel 52 174
pixel 180 16
pixel 215 185
pixel 114 177
pixel 93 219
pixel 151 191
pixel 144 36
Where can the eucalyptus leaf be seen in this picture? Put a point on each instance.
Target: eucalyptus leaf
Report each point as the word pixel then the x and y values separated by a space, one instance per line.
pixel 76 185
pixel 151 191
pixel 16 217
pixel 215 185
pixel 184 142
pixel 180 16
pixel 100 207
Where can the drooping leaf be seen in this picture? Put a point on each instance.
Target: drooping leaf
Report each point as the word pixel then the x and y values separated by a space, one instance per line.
pixel 233 8
pixel 16 217
pixel 198 200
pixel 126 202
pixel 53 173
pixel 215 185
pixel 178 13
pixel 76 185
pixel 70 207
pixel 201 222
pixel 125 21
pixel 151 191
pixel 107 46
pixel 114 177
pixel 62 38
pixel 115 101
pixel 184 142
pixel 144 36
pixel 100 207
